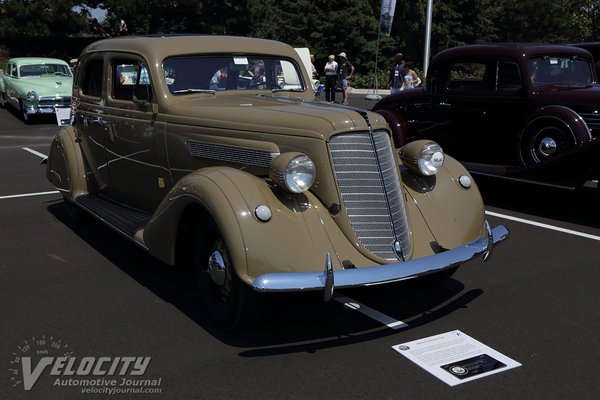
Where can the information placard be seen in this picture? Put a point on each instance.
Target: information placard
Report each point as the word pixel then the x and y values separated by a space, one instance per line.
pixel 455 357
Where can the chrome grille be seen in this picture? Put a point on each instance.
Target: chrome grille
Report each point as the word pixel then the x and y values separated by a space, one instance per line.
pixel 369 182
pixel 220 152
pixel 593 122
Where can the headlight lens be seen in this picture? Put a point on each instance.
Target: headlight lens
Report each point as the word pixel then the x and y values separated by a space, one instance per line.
pixel 431 159
pixel 31 95
pixel 294 172
pixel 423 157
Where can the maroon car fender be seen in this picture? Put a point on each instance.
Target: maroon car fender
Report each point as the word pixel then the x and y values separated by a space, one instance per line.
pixel 572 121
pixel 397 125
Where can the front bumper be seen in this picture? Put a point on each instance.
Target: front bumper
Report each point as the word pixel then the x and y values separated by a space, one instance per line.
pixel 380 274
pixel 46 105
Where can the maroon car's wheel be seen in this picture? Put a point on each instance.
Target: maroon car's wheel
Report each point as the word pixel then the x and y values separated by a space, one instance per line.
pixel 227 300
pixel 543 141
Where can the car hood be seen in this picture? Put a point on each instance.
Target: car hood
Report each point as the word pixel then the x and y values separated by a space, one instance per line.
pixel 589 95
pixel 271 114
pixel 47 86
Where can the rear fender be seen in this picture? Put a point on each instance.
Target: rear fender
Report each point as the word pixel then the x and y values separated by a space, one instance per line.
pixel 65 168
pixel 569 118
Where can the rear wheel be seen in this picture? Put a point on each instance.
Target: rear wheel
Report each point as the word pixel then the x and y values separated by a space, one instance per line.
pixel 2 99
pixel 544 140
pixel 227 300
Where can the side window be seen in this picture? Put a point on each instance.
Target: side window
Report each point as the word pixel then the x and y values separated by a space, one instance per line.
pixel 130 80
pixel 91 78
pixel 471 76
pixel 509 76
pixel 13 70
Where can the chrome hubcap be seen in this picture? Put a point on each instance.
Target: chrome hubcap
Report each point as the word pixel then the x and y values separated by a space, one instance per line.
pixel 216 268
pixel 547 146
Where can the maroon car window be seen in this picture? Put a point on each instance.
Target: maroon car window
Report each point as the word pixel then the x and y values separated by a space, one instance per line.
pixel 560 71
pixel 509 76
pixel 470 76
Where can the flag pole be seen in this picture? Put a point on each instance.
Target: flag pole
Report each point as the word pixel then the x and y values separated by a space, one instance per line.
pixel 375 96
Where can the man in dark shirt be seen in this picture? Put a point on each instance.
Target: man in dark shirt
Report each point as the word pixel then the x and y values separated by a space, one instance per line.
pixel 345 72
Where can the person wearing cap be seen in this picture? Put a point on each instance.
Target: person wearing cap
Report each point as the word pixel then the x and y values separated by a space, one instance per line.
pixel 345 72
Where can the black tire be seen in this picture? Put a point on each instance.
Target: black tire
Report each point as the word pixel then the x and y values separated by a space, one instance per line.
pixel 2 100
pixel 544 140
pixel 228 301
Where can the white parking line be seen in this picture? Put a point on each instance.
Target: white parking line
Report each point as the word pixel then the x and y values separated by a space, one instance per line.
pixel 13 196
pixel 37 153
pixel 369 312
pixel 545 226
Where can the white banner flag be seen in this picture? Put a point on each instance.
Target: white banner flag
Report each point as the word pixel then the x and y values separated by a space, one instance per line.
pixel 387 15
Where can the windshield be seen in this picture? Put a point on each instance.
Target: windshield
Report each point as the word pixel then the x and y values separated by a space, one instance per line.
pixel 231 72
pixel 44 69
pixel 560 71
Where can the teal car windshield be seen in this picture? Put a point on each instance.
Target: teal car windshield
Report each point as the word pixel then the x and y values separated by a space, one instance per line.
pixel 44 69
pixel 195 74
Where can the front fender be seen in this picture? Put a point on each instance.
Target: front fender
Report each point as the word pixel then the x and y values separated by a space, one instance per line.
pixel 296 238
pixel 455 215
pixel 572 120
pixel 65 168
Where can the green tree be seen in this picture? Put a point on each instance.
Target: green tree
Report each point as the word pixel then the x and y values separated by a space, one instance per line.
pixel 48 18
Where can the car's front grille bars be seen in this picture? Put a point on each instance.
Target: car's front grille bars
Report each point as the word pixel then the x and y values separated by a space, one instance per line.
pixel 369 182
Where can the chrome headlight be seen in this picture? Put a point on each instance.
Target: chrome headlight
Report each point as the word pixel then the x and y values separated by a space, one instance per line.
pixel 294 172
pixel 31 95
pixel 423 156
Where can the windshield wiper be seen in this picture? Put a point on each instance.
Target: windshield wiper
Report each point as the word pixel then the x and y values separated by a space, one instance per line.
pixel 186 91
pixel 287 90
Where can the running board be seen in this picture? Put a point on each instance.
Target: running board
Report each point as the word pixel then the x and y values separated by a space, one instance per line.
pixel 125 220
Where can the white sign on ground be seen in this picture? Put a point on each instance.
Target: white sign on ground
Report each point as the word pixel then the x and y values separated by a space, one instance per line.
pixel 454 357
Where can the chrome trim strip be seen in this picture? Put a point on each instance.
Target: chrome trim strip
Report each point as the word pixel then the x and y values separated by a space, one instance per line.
pixel 379 274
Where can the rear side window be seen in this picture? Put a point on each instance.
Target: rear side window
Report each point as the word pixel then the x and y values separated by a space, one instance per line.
pixel 470 76
pixel 91 78
pixel 130 80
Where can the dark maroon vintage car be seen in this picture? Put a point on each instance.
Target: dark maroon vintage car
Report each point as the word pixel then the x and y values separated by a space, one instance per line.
pixel 521 111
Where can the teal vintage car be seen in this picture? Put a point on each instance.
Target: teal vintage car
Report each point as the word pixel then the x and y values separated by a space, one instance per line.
pixel 36 85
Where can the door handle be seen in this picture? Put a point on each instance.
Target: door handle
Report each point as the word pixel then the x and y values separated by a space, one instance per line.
pixel 100 122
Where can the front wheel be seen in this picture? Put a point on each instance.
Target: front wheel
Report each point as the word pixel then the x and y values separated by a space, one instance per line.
pixel 2 100
pixel 227 300
pixel 543 141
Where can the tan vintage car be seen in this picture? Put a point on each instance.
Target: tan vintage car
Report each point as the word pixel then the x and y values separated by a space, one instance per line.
pixel 210 152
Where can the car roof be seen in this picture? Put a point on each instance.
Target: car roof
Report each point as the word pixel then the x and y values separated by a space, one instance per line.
pixel 516 50
pixel 160 47
pixel 36 60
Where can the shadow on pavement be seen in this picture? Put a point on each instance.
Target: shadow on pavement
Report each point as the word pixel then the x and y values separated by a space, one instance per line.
pixel 298 322
pixel 577 206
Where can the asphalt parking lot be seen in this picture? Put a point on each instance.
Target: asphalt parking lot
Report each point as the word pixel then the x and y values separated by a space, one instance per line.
pixel 81 290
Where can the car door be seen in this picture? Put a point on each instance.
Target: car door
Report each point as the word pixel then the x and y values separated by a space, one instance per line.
pixel 478 118
pixel 89 107
pixel 133 135
pixel 10 78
